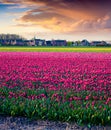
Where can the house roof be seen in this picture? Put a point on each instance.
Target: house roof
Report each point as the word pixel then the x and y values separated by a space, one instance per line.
pixel 60 40
pixel 49 42
pixel 19 40
pixel 39 40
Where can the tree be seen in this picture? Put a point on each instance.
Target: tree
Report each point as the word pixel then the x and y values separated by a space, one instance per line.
pixel 78 43
pixel 69 43
pixel 9 39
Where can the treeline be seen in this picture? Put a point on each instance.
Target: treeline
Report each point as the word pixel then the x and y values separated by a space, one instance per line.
pixel 11 40
pixel 10 37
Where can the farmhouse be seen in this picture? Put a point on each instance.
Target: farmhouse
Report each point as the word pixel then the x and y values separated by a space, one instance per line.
pixel 49 43
pixel 7 42
pixel 19 42
pixel 59 42
pixel 40 42
pixel 85 43
pixel 98 43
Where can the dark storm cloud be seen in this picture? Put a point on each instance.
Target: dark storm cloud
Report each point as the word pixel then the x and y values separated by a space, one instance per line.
pixel 67 3
pixel 93 6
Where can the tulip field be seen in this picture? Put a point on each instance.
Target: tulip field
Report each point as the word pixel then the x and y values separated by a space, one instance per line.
pixel 62 86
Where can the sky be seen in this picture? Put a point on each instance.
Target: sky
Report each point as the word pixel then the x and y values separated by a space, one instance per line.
pixel 57 19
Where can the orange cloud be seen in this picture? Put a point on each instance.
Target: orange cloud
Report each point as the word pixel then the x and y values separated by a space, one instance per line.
pixel 65 15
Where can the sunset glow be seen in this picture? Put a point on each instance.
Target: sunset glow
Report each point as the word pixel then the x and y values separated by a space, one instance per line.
pixel 57 19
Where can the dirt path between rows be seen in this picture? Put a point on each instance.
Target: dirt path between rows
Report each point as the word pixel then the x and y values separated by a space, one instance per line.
pixel 21 123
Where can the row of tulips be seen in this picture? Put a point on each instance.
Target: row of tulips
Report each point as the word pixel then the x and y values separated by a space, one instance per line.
pixel 56 86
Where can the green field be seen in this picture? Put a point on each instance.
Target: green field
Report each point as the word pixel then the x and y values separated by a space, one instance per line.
pixel 55 49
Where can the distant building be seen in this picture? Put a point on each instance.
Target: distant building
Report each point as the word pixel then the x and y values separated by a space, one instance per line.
pixel 12 42
pixel 31 43
pixel 77 43
pixel 98 43
pixel 59 43
pixel 5 42
pixel 109 43
pixel 85 43
pixel 49 43
pixel 40 42
pixel 2 42
pixel 26 42
pixel 19 42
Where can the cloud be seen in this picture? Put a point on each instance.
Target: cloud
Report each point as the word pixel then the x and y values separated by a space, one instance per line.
pixel 9 1
pixel 65 15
